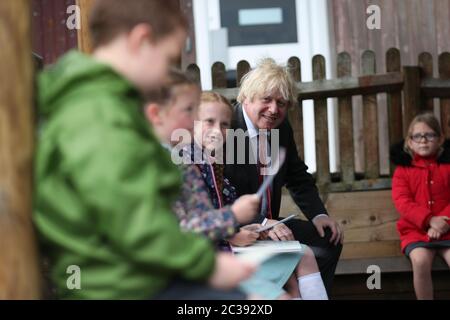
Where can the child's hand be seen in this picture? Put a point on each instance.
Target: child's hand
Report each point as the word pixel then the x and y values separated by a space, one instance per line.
pixel 434 234
pixel 229 271
pixel 244 237
pixel 440 224
pixel 263 235
pixel 246 207
pixel 252 227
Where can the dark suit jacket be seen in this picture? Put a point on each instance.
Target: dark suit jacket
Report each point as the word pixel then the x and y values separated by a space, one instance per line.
pixel 293 174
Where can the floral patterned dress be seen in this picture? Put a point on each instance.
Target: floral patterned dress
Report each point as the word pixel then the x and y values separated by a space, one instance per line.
pixel 195 210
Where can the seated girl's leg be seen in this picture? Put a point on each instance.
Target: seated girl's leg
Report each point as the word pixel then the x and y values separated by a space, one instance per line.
pixel 445 253
pixel 308 263
pixel 291 286
pixel 422 261
pixel 285 296
pixel 310 282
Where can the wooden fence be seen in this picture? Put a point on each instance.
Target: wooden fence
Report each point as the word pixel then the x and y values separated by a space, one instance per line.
pixel 367 218
pixel 409 89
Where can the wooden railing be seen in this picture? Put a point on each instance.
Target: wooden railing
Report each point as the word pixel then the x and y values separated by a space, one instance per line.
pixel 409 89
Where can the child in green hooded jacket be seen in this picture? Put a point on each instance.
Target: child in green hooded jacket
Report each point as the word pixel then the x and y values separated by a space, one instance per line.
pixel 104 186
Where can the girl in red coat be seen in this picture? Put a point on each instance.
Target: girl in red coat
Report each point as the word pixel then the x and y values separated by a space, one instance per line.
pixel 421 194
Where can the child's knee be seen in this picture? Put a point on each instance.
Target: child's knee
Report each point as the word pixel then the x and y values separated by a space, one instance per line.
pixel 308 262
pixel 421 260
pixel 308 254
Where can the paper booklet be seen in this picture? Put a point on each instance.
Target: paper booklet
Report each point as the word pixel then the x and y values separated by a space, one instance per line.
pixel 265 249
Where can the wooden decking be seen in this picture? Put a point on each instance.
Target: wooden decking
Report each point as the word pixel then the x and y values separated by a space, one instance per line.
pixel 394 286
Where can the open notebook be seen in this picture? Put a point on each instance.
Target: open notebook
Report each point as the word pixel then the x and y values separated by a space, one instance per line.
pixel 265 249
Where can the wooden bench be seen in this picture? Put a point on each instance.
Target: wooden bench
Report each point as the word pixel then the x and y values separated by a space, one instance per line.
pixel 368 219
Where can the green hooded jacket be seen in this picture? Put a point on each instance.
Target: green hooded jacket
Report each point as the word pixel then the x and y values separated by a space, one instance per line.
pixel 104 188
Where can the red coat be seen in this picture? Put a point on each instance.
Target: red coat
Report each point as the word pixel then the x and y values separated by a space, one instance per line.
pixel 420 190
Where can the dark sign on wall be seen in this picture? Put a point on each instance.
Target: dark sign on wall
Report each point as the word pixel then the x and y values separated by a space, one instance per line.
pixel 253 22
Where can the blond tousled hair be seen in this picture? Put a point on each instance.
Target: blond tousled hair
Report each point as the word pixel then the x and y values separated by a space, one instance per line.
pixel 267 78
pixel 210 96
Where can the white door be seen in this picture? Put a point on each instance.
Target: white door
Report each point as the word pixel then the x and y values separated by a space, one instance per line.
pixel 269 28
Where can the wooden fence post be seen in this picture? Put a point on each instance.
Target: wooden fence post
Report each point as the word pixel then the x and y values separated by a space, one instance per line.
pixel 411 95
pixel 394 102
pixel 219 75
pixel 295 113
pixel 347 151
pixel 193 72
pixel 19 271
pixel 321 127
pixel 370 120
pixel 426 68
pixel 84 39
pixel 243 67
pixel 444 74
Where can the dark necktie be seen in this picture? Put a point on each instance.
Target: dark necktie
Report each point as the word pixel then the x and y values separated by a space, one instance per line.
pixel 263 166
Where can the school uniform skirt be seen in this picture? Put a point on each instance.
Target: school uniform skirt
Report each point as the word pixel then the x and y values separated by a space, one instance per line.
pixel 429 245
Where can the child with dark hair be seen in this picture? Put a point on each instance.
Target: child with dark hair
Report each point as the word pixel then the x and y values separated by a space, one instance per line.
pixel 104 185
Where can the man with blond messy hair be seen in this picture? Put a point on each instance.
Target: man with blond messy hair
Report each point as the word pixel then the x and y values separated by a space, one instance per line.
pixel 265 95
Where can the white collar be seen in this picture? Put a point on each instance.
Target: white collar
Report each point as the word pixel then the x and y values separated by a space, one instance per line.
pixel 252 131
